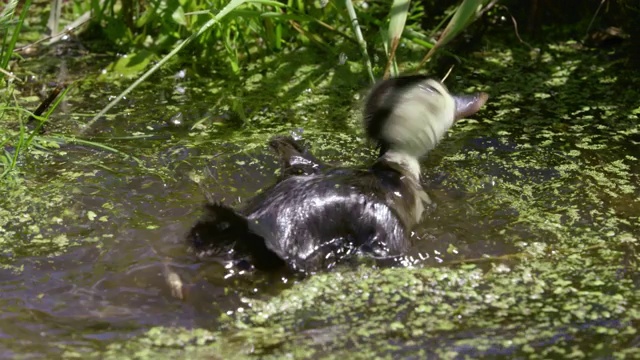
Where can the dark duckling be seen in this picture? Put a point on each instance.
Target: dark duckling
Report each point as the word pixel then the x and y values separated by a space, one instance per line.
pixel 317 215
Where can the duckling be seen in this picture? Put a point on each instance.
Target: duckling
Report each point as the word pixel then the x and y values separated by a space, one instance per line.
pixel 316 216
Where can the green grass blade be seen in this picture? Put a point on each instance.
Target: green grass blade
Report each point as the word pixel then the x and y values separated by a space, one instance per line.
pixel 465 13
pixel 73 140
pixel 363 44
pixel 55 13
pixel 7 15
pixel 5 22
pixel 8 51
pixel 463 16
pixel 267 2
pixel 233 4
pixel 398 19
pixel 417 38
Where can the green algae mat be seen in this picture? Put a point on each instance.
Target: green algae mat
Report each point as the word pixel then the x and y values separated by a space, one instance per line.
pixel 543 187
pixel 531 252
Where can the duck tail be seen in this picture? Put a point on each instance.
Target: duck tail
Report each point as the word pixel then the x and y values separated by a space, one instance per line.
pixel 221 230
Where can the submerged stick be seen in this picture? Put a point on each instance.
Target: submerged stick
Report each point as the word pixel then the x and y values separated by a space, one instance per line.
pixel 44 105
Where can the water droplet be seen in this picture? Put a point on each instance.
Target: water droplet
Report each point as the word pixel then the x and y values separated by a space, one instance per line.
pixel 296 134
pixel 177 119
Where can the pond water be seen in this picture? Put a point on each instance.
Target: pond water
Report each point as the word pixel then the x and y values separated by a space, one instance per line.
pixel 542 181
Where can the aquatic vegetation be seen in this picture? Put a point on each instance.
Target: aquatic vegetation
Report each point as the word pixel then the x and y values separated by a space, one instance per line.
pixel 463 15
pixel 7 21
pixel 532 251
pixel 539 225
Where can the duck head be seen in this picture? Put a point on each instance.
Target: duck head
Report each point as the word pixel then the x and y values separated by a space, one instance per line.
pixel 408 116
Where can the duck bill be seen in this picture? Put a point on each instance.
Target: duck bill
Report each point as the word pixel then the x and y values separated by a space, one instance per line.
pixel 467 105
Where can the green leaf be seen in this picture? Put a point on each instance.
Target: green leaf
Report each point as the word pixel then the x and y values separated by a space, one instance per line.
pixel 232 5
pixel 398 19
pixel 132 64
pixel 464 15
pixel 179 17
